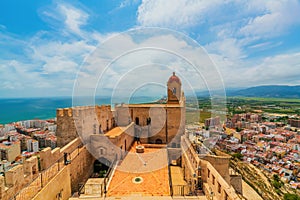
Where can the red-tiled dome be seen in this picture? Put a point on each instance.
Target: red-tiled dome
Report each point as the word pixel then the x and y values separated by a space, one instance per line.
pixel 174 78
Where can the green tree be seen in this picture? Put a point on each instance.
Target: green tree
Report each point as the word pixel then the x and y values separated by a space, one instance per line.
pixel 238 129
pixel 276 177
pixel 277 183
pixel 288 196
pixel 238 156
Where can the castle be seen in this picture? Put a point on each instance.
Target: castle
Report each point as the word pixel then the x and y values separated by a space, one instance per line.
pixel 133 151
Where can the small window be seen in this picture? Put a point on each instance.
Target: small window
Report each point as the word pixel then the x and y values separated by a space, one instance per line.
pixel 213 180
pixel 148 121
pixel 107 127
pixel 137 121
pixel 174 91
pixel 219 188
pixel 208 173
pixel 102 151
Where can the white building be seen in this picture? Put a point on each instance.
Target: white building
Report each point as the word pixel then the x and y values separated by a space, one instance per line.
pixel 32 145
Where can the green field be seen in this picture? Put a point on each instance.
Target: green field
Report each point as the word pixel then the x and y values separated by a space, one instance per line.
pixel 196 116
pixel 236 105
pixel 268 105
pixel 264 99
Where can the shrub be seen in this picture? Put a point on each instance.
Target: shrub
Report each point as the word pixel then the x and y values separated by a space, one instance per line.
pixel 288 196
pixel 238 156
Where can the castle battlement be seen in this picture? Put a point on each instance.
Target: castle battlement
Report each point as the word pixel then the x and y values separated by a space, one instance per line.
pixel 82 121
pixel 25 181
pixel 18 177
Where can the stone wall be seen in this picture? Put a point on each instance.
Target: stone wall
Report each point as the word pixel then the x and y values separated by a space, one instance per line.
pixel 25 181
pixel 155 122
pixel 81 167
pixel 175 124
pixel 48 157
pixel 198 170
pixel 112 147
pixel 83 122
pixel 66 130
pixel 191 164
pixel 17 178
pixel 221 164
pixel 58 188
pixel 174 155
pixel 123 116
pixel 215 186
pixel 236 182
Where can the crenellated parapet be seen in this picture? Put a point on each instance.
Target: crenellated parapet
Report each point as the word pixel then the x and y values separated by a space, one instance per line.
pixel 25 181
pixel 66 130
pixel 49 157
pixel 18 177
pixel 82 121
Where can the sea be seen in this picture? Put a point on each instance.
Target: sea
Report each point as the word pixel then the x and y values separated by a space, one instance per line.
pixel 19 109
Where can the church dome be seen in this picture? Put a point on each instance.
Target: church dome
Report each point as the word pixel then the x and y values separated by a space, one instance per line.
pixel 174 78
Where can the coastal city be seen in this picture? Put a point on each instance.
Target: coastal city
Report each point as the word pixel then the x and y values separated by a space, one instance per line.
pixel 268 143
pixel 149 100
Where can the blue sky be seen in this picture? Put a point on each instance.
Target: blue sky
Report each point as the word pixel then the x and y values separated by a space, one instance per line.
pixel 44 43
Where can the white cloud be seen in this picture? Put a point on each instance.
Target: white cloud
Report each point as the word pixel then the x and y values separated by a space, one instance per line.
pixel 265 45
pixel 126 3
pixel 233 23
pixel 174 13
pixel 58 56
pixel 279 69
pixel 18 75
pixel 65 17
pixel 229 48
pixel 74 18
pixel 148 59
pixel 275 19
pixel 50 59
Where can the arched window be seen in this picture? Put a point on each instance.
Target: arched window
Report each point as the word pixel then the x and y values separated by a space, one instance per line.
pixel 174 91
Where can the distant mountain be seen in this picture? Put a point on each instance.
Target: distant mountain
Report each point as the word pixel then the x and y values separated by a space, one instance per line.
pixel 206 93
pixel 279 91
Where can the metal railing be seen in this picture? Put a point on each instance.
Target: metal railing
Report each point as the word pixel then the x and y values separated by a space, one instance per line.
pixel 108 175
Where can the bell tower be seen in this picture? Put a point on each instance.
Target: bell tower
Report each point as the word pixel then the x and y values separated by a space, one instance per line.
pixel 174 89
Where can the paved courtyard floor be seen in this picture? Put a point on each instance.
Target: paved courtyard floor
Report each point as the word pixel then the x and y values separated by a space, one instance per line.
pixel 141 174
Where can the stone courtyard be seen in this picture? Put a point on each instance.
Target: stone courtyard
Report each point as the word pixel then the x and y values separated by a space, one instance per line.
pixel 150 169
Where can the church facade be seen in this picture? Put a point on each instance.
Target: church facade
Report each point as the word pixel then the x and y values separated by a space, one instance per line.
pixel 157 123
